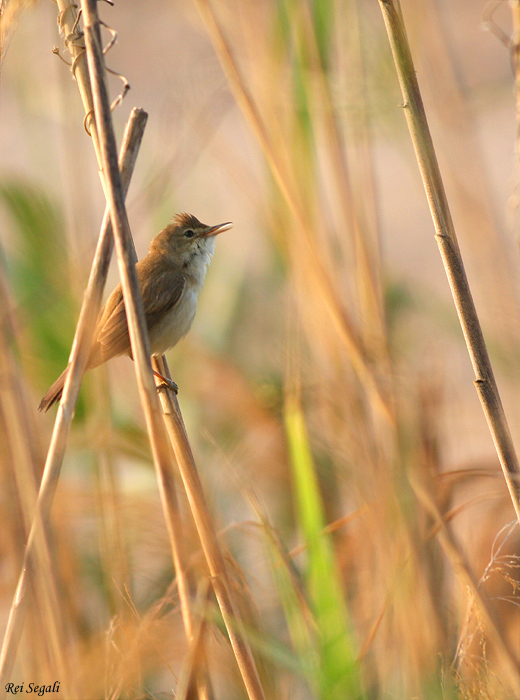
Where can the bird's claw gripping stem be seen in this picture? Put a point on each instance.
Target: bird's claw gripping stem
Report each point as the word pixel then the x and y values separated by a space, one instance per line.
pixel 166 383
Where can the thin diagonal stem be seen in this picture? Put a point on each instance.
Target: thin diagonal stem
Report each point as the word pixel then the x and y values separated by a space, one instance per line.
pixel 78 359
pixel 208 537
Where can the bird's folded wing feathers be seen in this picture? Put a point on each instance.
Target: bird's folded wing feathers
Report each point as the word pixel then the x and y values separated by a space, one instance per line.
pixel 157 302
pixel 112 331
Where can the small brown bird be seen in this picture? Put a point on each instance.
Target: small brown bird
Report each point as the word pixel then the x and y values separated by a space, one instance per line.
pixel 170 278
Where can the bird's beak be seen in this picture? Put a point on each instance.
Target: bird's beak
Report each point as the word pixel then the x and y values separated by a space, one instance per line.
pixel 214 230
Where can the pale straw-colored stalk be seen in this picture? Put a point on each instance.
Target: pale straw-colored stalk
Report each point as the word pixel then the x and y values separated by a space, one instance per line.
pixel 451 257
pixel 208 536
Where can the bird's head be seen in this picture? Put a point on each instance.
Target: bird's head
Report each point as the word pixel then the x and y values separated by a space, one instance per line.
pixel 186 238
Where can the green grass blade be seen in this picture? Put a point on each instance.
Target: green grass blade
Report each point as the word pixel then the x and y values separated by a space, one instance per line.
pixel 338 677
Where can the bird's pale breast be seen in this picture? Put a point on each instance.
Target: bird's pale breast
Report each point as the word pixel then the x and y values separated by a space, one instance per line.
pixel 175 324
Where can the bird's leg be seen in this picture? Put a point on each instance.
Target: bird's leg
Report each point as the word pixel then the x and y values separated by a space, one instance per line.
pixel 166 383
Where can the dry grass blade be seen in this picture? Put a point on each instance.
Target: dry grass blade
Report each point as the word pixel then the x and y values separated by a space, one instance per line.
pixel 191 680
pixel 449 249
pixel 311 259
pixel 20 430
pixel 492 622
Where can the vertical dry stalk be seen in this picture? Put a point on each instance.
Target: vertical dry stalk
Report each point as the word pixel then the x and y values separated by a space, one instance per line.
pixel 471 196
pixel 449 249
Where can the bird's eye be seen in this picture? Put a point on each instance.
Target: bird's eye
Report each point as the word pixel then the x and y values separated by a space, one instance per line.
pixel 189 233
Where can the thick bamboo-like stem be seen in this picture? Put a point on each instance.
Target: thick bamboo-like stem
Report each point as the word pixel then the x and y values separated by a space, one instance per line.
pixel 78 359
pixel 208 537
pixel 449 249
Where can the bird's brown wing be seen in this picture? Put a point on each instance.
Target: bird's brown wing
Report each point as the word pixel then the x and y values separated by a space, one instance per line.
pixel 111 335
pixel 160 291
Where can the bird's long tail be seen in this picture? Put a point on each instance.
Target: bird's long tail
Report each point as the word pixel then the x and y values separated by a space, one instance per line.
pixel 54 393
